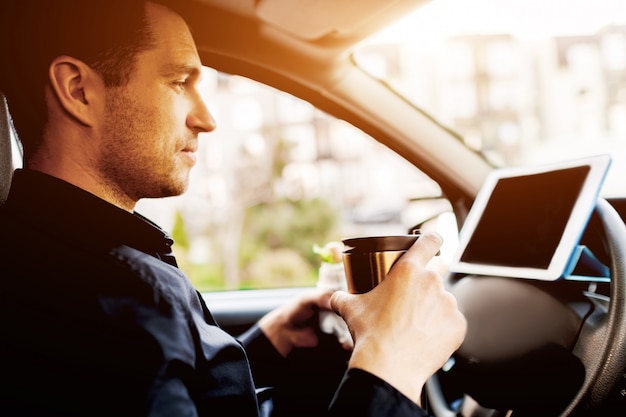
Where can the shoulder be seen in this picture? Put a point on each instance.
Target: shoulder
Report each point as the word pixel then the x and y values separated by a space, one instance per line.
pixel 167 283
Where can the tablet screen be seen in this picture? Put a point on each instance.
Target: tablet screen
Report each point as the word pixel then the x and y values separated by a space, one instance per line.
pixel 526 221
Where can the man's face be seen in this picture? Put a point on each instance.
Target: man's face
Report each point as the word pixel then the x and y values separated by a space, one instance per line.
pixel 151 126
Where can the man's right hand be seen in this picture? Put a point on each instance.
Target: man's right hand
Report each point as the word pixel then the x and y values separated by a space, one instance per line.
pixel 408 326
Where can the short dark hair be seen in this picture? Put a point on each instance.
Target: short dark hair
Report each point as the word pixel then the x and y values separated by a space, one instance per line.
pixel 104 34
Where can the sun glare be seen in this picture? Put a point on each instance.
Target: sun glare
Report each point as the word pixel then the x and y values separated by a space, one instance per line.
pixel 527 19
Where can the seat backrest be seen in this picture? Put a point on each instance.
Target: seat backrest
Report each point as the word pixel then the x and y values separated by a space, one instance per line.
pixel 6 159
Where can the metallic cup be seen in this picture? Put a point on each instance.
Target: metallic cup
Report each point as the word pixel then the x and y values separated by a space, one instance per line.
pixel 367 260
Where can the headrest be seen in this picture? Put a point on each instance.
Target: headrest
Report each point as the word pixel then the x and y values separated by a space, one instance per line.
pixel 6 160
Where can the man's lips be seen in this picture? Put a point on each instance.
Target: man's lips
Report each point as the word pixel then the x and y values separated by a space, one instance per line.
pixel 190 152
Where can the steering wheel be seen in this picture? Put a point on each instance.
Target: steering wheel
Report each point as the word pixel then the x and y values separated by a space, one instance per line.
pixel 599 343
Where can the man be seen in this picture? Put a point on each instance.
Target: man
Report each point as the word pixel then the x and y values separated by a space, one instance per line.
pixel 97 318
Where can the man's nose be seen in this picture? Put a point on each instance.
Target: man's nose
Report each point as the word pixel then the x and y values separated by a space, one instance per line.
pixel 200 118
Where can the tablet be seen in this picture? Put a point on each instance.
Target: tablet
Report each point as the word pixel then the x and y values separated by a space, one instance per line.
pixel 526 222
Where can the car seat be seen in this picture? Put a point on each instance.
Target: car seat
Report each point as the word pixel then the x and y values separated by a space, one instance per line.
pixel 6 159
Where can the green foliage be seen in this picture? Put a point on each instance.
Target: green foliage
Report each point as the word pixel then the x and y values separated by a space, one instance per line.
pixel 278 268
pixel 286 224
pixel 276 248
pixel 179 233
pixel 206 276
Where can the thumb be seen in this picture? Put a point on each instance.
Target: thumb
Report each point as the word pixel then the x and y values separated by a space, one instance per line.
pixel 338 301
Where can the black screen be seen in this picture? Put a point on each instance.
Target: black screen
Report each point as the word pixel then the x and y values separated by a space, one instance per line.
pixel 524 219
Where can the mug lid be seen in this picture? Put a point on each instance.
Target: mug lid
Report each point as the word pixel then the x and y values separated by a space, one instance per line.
pixel 379 243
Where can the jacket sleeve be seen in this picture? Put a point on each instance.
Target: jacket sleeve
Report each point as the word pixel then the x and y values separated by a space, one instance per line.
pixel 266 363
pixel 362 394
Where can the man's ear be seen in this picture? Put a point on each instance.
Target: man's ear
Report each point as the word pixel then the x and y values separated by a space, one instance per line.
pixel 76 86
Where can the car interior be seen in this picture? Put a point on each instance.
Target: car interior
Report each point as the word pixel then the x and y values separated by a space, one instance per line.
pixel 534 348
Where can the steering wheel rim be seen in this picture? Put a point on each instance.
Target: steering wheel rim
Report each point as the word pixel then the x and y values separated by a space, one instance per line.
pixel 602 341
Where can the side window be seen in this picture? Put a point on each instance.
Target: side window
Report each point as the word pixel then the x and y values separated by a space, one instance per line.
pixel 279 176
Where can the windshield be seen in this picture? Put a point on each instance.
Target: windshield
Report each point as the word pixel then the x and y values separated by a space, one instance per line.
pixel 521 81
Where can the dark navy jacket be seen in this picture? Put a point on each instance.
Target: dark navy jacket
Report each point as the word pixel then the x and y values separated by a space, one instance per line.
pixel 97 320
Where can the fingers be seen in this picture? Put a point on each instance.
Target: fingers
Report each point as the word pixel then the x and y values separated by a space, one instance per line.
pixel 423 249
pixel 415 261
pixel 304 337
pixel 316 298
pixel 337 300
pixel 418 255
pixel 288 325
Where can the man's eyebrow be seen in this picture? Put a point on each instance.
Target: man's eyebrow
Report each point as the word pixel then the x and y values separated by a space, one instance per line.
pixel 177 69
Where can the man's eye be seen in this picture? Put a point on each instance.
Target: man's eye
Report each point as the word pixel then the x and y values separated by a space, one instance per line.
pixel 180 84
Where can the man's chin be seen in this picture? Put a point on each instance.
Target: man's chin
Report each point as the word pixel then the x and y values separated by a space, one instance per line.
pixel 172 189
pixel 180 186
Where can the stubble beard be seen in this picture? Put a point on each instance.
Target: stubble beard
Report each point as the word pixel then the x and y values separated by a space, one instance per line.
pixel 129 162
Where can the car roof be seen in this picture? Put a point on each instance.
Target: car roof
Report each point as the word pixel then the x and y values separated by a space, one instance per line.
pixel 304 48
